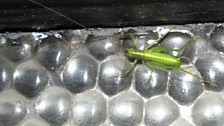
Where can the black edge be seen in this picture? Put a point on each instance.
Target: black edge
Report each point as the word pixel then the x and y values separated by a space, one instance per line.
pixel 23 15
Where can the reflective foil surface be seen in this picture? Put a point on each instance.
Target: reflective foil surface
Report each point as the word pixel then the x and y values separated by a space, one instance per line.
pixel 84 77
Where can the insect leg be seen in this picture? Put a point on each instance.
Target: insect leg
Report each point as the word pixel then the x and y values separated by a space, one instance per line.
pixel 160 49
pixel 134 40
pixel 188 67
pixel 189 60
pixel 124 72
pixel 198 77
pixel 184 46
pixel 150 75
pixel 181 69
pixel 158 41
pixel 135 61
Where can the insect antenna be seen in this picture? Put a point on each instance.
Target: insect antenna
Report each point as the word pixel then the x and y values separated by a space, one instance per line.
pixel 58 13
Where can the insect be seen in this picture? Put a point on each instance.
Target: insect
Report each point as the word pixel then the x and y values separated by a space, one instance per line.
pixel 155 56
pixel 151 56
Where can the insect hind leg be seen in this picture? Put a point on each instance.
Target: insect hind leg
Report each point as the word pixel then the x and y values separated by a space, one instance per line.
pixel 198 77
pixel 158 41
pixel 162 49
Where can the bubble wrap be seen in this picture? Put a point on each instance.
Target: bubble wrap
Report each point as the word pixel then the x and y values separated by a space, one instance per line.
pixel 73 78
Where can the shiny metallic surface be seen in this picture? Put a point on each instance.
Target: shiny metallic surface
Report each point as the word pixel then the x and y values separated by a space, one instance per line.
pixel 89 109
pixel 183 87
pixel 102 46
pixel 6 70
pixel 53 52
pixel 17 49
pixel 211 68
pixel 34 122
pixel 72 36
pixel 54 105
pixel 198 48
pixel 13 107
pixel 209 110
pixel 78 78
pixel 80 73
pixel 182 122
pixel 111 80
pixel 30 78
pixel 177 40
pixel 150 82
pixel 217 38
pixel 160 111
pixel 126 109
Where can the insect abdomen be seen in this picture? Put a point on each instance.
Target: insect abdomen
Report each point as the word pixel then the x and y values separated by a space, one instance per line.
pixel 157 57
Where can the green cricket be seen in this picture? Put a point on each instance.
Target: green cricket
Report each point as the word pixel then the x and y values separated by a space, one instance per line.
pixel 151 56
pixel 155 56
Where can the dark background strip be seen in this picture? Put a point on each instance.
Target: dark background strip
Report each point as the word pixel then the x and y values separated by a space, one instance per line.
pixel 22 15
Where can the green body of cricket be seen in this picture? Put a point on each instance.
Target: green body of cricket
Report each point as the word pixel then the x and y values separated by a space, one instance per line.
pixel 155 57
